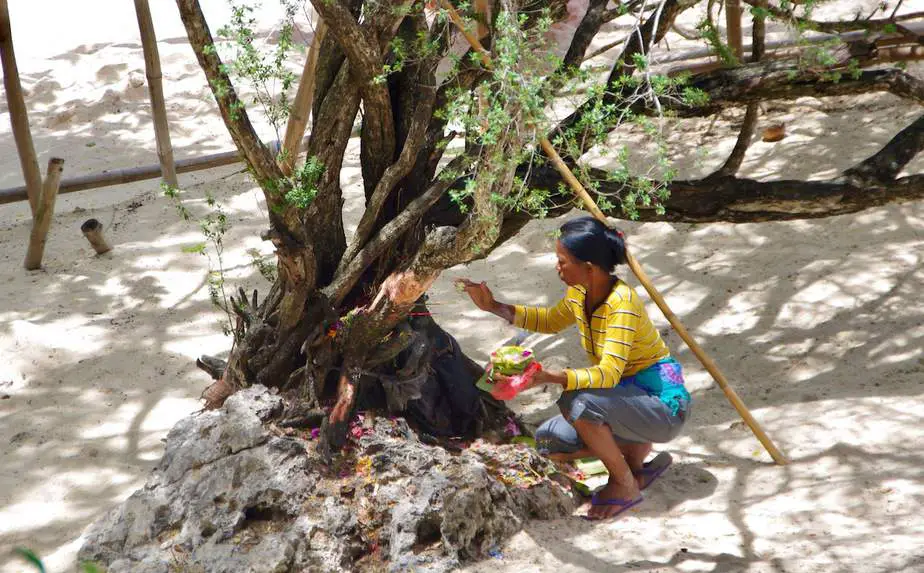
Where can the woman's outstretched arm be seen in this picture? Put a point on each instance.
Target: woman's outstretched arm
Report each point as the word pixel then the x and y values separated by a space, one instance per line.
pixel 534 318
pixel 483 298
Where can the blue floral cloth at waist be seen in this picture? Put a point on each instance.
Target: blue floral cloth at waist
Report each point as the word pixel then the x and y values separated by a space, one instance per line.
pixel 663 379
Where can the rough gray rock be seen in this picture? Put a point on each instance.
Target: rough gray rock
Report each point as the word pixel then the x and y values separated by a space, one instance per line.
pixel 234 493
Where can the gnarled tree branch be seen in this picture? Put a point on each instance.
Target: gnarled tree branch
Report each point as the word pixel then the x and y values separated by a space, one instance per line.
pixel 780 80
pixel 888 162
pixel 387 236
pixel 363 54
pixel 871 25
pixel 749 126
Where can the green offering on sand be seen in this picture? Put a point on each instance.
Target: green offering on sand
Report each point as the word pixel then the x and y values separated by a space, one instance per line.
pixel 591 475
pixel 508 360
pixel 591 466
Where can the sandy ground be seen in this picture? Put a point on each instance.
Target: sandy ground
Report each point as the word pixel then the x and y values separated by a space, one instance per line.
pixel 818 325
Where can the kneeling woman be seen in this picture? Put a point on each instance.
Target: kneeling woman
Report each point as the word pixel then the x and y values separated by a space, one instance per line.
pixel 632 396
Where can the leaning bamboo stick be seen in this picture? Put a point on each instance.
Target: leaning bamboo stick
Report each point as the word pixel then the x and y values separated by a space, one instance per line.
pixel 304 99
pixel 156 89
pixel 588 201
pixel 41 222
pixel 19 117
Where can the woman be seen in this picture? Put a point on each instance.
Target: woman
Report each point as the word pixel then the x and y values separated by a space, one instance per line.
pixel 632 396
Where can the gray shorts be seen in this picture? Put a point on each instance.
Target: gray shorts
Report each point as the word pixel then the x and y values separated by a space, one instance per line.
pixel 632 415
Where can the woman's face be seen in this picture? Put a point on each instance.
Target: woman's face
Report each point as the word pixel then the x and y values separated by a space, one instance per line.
pixel 570 270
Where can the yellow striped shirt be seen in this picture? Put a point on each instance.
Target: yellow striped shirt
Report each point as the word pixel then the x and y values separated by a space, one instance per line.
pixel 619 339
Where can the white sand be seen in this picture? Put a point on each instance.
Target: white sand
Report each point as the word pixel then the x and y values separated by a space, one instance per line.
pixel 818 324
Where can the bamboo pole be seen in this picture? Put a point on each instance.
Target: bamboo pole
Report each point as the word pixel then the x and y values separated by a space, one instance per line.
pixel 133 174
pixel 41 222
pixel 19 117
pixel 591 206
pixel 156 89
pixel 733 27
pixel 304 100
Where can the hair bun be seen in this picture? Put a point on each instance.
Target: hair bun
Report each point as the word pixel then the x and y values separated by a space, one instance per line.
pixel 592 241
pixel 617 242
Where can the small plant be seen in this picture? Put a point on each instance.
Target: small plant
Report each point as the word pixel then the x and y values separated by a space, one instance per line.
pixel 263 264
pixel 303 184
pixel 214 225
pixel 33 559
pixel 713 38
pixel 265 71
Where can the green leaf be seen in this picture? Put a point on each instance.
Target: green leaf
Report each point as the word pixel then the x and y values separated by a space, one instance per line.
pixel 31 557
pixel 198 248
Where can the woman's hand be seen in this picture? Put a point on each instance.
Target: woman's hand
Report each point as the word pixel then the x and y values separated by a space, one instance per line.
pixel 538 379
pixel 480 294
pixel 547 377
pixel 483 298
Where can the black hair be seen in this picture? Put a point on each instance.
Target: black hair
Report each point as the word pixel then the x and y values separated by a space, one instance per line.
pixel 589 240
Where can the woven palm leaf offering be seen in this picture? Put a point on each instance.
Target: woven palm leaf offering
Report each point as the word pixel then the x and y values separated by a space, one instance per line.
pixel 515 361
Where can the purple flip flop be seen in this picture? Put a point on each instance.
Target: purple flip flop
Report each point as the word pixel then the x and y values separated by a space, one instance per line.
pixel 624 504
pixel 653 469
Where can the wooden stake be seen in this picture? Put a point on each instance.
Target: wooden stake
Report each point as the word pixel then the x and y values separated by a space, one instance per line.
pixel 41 222
pixel 19 117
pixel 156 89
pixel 591 206
pixel 304 99
pixel 93 231
pixel 733 27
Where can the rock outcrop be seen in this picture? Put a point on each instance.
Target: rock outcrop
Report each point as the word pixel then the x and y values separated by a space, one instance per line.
pixel 235 493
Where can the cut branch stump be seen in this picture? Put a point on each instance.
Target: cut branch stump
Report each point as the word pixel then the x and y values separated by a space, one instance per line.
pixel 93 231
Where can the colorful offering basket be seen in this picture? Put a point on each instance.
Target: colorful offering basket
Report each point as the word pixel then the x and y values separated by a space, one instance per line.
pixel 508 360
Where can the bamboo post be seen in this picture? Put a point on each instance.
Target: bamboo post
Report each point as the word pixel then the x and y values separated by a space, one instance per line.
pixel 588 201
pixel 41 222
pixel 304 99
pixel 733 27
pixel 19 117
pixel 93 231
pixel 156 89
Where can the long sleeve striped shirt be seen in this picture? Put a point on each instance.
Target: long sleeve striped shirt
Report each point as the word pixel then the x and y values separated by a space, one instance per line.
pixel 619 338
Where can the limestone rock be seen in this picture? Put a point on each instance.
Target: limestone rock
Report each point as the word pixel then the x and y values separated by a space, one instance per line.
pixel 231 493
